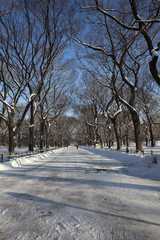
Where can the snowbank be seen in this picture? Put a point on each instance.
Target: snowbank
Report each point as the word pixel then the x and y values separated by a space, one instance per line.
pixel 137 165
pixel 147 166
pixel 32 159
pixel 134 164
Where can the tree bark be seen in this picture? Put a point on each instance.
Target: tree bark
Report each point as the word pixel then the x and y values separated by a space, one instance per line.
pixel 137 132
pixel 41 133
pixel 47 138
pixel 151 135
pixel 146 137
pixel 109 137
pixel 153 69
pixel 127 139
pixel 31 129
pixel 11 133
pixel 117 133
pixel 100 139
pixel 150 129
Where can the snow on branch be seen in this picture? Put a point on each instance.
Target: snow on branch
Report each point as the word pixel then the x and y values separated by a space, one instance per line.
pixel 154 53
pixel 14 129
pixel 2 117
pixel 1 94
pixel 31 126
pixel 126 80
pixel 91 125
pixel 106 13
pixel 91 46
pixel 148 21
pixel 127 104
pixel 117 112
pixel 32 96
pixel 2 14
pixel 108 114
pixel 7 105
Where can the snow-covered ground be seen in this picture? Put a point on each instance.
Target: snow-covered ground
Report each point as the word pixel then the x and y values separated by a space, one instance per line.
pixel 71 194
pixel 5 149
pixel 132 148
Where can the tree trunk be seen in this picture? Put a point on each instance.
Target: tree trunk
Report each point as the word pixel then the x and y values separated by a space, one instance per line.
pixel 101 142
pixel 127 139
pixel 153 69
pixel 94 142
pixel 137 132
pixel 117 133
pixel 11 133
pixel 151 135
pixel 19 139
pixel 98 137
pixel 146 137
pixel 150 130
pixel 109 137
pixel 41 133
pixel 31 129
pixel 3 139
pixel 47 138
pixel 42 126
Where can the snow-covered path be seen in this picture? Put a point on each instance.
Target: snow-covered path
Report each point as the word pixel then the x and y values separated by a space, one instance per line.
pixel 79 194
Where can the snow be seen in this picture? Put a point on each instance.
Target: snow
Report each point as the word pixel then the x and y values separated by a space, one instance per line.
pixel 18 150
pixel 70 194
pixel 136 164
pixel 31 126
pixel 154 53
pixel 32 96
pixel 119 111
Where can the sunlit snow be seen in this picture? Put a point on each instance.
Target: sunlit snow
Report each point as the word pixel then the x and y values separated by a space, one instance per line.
pixel 83 193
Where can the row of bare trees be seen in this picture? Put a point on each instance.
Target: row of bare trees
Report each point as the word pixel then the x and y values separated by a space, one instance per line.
pixel 35 78
pixel 102 121
pixel 119 58
pixel 116 51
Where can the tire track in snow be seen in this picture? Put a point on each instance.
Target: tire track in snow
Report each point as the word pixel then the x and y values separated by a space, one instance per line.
pixel 78 229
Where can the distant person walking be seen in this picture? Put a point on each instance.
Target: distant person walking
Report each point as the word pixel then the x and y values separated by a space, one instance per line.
pixel 77 146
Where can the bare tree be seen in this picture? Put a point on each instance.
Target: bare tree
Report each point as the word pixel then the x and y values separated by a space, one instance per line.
pixel 16 70
pixel 50 18
pixel 28 47
pixel 103 95
pixel 54 101
pixel 92 109
pixel 148 101
pixel 118 50
pixel 10 95
pixel 141 17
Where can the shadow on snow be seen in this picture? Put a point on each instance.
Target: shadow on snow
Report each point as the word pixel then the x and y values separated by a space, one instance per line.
pixel 30 197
